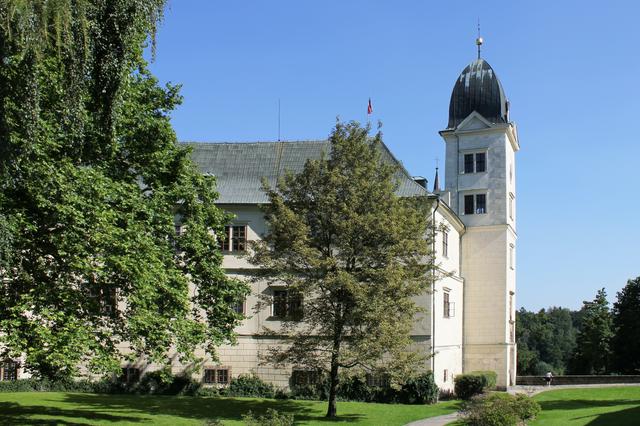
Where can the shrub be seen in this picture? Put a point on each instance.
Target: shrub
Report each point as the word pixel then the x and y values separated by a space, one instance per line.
pixel 526 408
pixel 249 385
pixel 421 389
pixel 474 383
pixel 313 392
pixel 206 391
pixel 271 418
pixel 499 409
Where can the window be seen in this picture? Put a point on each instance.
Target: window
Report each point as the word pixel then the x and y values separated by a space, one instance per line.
pixel 445 243
pixel 301 377
pixel 475 163
pixel 239 307
pixel 287 304
pixel 379 380
pixel 511 197
pixel 130 374
pixel 217 375
pixel 446 305
pixel 235 238
pixel 105 298
pixel 8 370
pixel 445 376
pixel 512 249
pixel 475 204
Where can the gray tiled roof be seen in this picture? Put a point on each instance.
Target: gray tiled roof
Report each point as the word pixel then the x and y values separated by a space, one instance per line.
pixel 239 167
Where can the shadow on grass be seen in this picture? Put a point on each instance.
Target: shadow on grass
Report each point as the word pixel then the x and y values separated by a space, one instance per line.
pixel 628 417
pixel 622 417
pixel 199 408
pixel 578 404
pixel 12 413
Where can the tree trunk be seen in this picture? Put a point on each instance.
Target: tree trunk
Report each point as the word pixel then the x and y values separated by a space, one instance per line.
pixel 333 378
pixel 333 387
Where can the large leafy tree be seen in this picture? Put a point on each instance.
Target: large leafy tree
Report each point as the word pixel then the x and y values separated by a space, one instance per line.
pixel 357 253
pixel 593 342
pixel 626 321
pixel 546 340
pixel 92 183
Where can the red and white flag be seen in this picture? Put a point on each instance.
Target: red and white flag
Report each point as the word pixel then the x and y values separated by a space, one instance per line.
pixel 369 108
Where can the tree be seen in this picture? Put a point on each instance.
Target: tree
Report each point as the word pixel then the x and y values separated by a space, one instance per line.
pixel 626 318
pixel 593 342
pixel 357 253
pixel 93 182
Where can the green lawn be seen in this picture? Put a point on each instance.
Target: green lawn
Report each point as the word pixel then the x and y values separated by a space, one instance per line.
pixel 57 408
pixel 618 406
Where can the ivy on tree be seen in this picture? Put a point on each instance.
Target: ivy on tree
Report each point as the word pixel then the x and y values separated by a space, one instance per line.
pixel 92 182
pixel 357 253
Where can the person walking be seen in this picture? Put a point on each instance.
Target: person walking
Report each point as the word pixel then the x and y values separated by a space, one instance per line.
pixel 548 377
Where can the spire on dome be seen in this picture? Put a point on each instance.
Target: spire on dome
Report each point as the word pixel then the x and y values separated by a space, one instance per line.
pixel 436 183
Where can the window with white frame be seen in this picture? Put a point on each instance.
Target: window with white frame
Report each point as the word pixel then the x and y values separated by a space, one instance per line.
pixel 286 304
pixel 234 239
pixel 475 204
pixel 512 259
pixel 448 307
pixel 475 162
pixel 445 243
pixel 511 198
pixel 8 370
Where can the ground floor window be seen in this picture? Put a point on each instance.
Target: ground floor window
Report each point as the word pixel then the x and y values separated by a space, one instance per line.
pixel 217 375
pixel 130 374
pixel 305 377
pixel 8 370
pixel 377 380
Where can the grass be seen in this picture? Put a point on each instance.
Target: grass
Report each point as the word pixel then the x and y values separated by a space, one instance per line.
pixel 619 406
pixel 58 408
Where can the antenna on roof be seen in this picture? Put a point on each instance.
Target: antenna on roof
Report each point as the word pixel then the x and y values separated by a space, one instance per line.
pixel 479 40
pixel 278 119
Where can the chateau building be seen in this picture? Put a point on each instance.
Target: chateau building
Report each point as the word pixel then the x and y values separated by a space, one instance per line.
pixel 471 321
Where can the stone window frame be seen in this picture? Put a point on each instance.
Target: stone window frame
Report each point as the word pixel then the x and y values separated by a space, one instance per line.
pixel 9 370
pixel 475 162
pixel 232 243
pixel 131 374
pixel 217 375
pixel 293 307
pixel 474 197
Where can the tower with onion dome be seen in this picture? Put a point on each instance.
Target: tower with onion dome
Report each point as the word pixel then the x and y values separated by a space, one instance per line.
pixel 480 186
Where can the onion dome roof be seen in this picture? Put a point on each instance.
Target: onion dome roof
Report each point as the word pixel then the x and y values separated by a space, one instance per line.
pixel 478 89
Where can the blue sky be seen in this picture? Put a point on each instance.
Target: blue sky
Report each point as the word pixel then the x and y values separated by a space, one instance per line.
pixel 569 68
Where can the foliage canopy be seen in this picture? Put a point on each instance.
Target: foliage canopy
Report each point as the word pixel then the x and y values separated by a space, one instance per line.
pixel 92 183
pixel 356 252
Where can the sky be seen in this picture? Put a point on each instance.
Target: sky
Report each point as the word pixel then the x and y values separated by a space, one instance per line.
pixel 569 68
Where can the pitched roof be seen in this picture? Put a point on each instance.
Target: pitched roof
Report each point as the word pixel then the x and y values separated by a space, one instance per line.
pixel 240 166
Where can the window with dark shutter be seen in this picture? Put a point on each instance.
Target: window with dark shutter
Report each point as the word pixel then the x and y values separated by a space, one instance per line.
pixel 468 163
pixel 468 204
pixel 481 203
pixel 481 162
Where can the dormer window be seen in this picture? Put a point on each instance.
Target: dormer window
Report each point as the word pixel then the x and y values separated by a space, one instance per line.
pixel 475 162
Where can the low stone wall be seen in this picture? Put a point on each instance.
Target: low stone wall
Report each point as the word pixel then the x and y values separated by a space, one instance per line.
pixel 576 380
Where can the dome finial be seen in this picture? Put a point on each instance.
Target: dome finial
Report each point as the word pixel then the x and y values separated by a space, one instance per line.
pixel 479 40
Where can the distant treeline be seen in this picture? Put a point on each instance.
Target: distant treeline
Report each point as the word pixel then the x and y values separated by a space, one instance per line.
pixel 597 339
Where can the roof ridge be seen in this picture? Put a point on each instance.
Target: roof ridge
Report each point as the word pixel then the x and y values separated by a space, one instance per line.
pixel 252 142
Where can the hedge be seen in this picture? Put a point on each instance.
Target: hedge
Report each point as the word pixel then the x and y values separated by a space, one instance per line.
pixel 474 383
